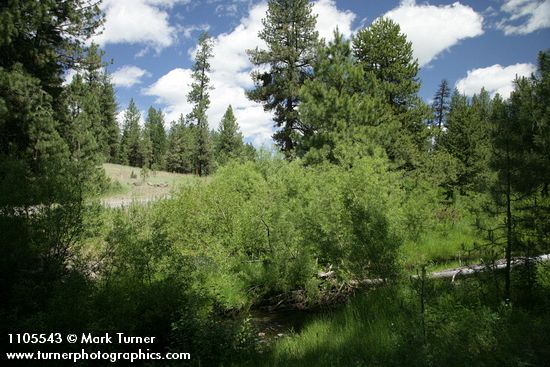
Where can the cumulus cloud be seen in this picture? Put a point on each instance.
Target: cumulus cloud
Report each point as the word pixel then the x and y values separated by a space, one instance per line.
pixel 525 16
pixel 229 10
pixel 69 75
pixel 329 17
pixel 230 76
pixel 120 118
pixel 171 90
pixel 138 22
pixel 495 79
pixel 433 29
pixel 127 76
pixel 188 30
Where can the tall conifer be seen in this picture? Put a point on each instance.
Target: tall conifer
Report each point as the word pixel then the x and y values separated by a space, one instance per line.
pixel 290 36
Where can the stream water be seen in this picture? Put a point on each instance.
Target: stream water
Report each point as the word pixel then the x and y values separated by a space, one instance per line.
pixel 273 325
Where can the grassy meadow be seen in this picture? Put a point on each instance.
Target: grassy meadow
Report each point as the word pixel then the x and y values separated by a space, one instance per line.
pixel 133 183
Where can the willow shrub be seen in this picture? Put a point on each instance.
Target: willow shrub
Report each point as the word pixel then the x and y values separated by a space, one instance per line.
pixel 266 227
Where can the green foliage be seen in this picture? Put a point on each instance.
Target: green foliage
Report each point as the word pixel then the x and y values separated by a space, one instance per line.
pixel 267 227
pixel 385 55
pixel 466 139
pixel 343 115
pixel 44 179
pixel 383 50
pixel 518 157
pixel 366 179
pixel 229 143
pixel 383 328
pixel 131 147
pixel 440 105
pixel 46 37
pixel 181 145
pixel 199 97
pixel 155 138
pixel 290 36
pixel 93 95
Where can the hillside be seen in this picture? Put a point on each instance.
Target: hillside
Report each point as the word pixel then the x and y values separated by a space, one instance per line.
pixel 128 184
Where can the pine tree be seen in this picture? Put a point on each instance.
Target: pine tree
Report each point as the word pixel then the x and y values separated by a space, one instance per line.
pixel 156 134
pixel 110 124
pixel 342 109
pixel 44 179
pixel 105 126
pixel 440 105
pixel 230 143
pixel 146 148
pixel 95 86
pixel 541 135
pixel 84 111
pixel 199 97
pixel 467 140
pixel 384 52
pixel 131 148
pixel 290 36
pixel 181 147
pixel 520 161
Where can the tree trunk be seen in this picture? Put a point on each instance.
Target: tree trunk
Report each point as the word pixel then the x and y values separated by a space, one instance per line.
pixel 508 235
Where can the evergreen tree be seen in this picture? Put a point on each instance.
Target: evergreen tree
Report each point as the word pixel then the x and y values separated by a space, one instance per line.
pixel 110 124
pixel 467 140
pixel 230 143
pixel 200 99
pixel 84 111
pixel 44 179
pixel 342 108
pixel 156 135
pixel 541 134
pixel 440 105
pixel 181 147
pixel 95 86
pixel 290 36
pixel 146 147
pixel 519 137
pixel 384 52
pixel 131 148
pixel 105 126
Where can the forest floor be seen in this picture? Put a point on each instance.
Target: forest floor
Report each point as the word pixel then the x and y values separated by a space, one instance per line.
pixel 131 184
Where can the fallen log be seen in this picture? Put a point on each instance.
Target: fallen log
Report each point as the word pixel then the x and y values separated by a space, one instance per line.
pixel 469 269
pixel 497 265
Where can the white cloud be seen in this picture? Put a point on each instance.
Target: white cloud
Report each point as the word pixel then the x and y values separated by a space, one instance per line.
pixel 69 75
pixel 127 76
pixel 495 79
pixel 228 10
pixel 329 17
pixel 120 118
pixel 434 29
pixel 171 90
pixel 188 30
pixel 525 16
pixel 138 22
pixel 230 75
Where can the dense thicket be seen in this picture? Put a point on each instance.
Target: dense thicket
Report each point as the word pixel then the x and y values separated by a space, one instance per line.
pixel 48 156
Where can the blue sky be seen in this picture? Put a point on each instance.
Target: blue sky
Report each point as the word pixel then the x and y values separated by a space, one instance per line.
pixel 469 43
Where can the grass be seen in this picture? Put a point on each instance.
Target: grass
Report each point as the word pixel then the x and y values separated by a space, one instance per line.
pixel 367 331
pixel 383 327
pixel 128 183
pixel 446 245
